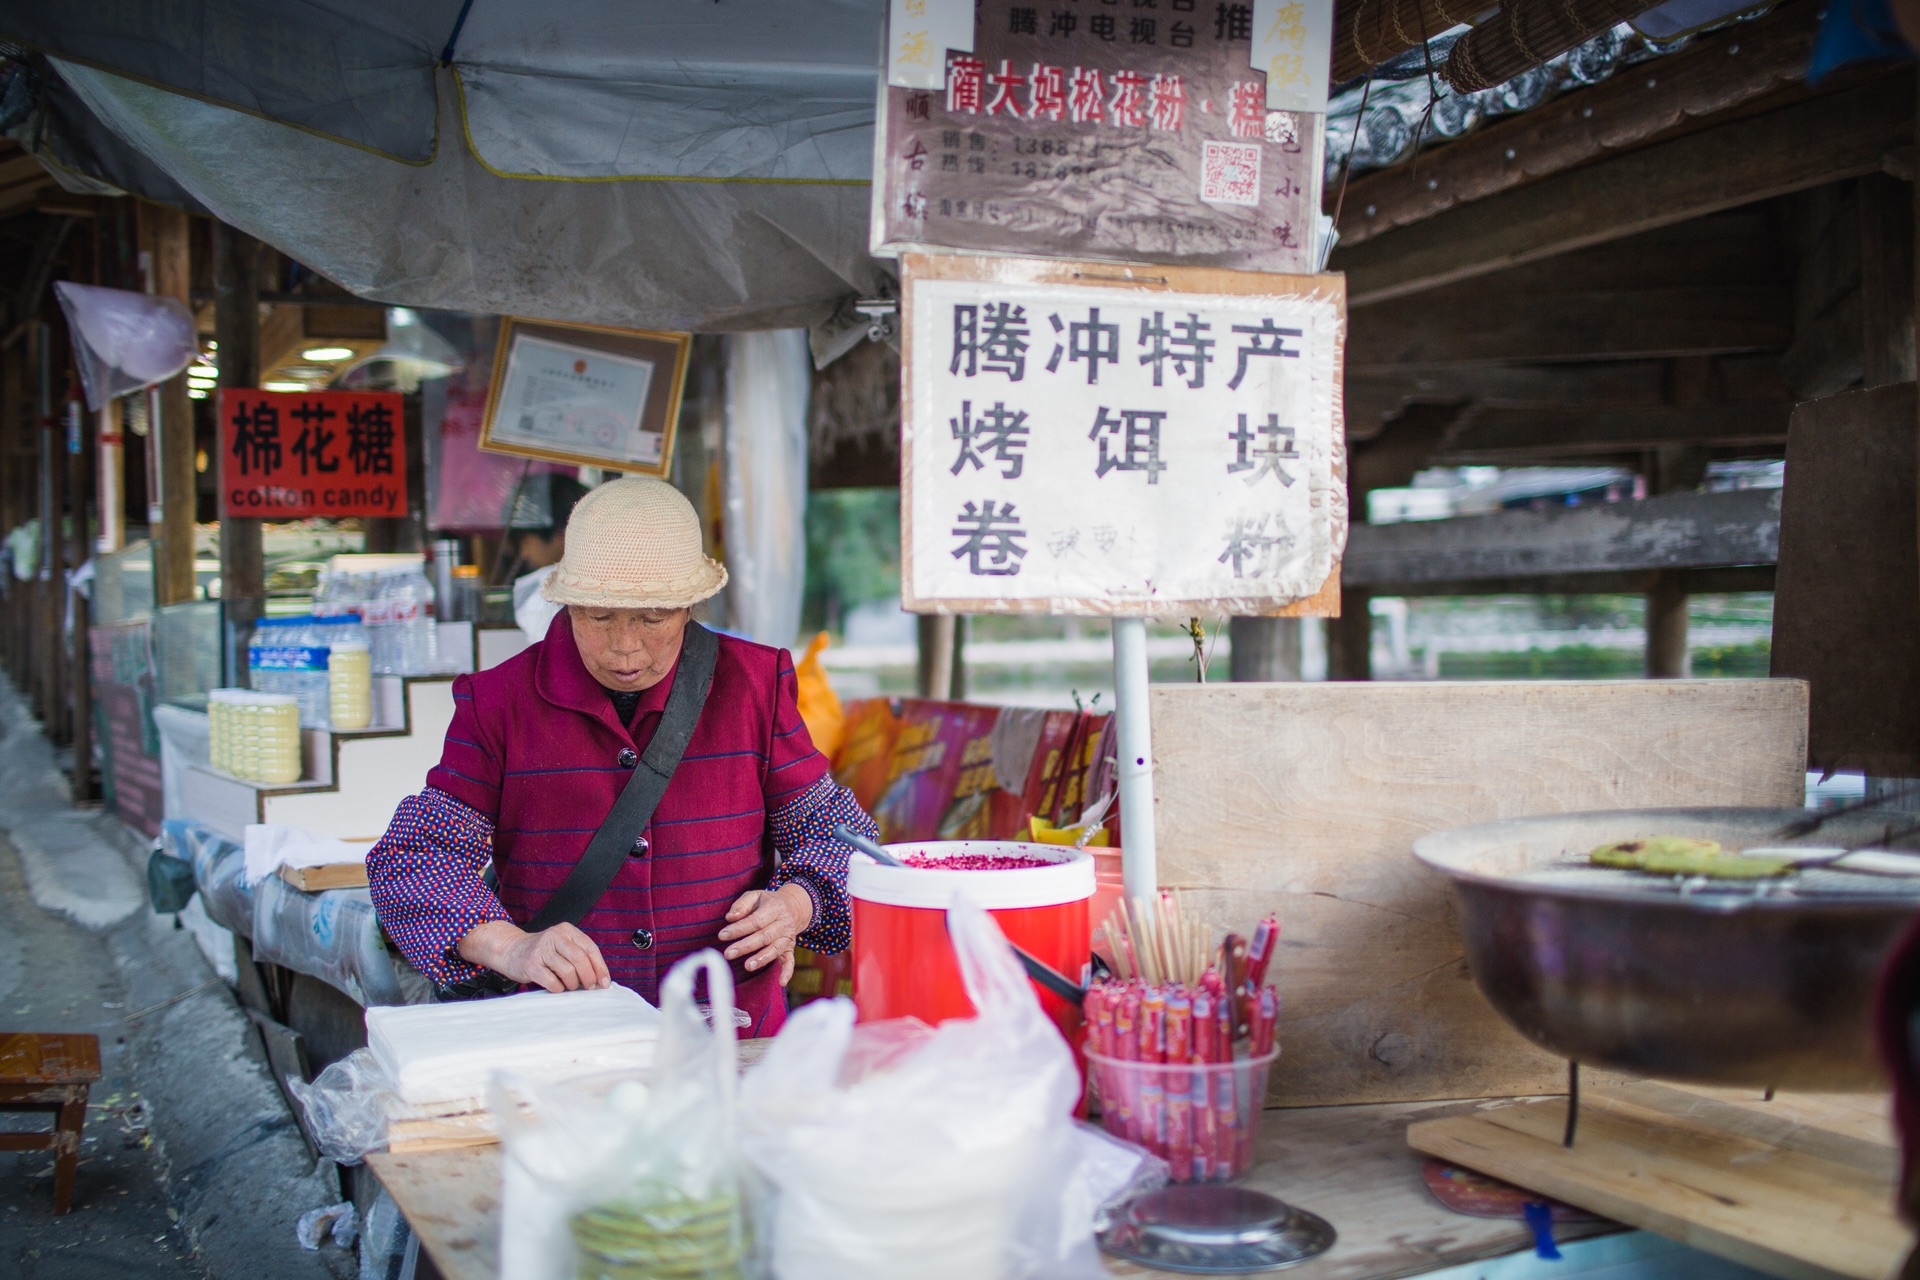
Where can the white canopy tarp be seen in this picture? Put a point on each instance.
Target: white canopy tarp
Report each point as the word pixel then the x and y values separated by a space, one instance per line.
pixel 652 163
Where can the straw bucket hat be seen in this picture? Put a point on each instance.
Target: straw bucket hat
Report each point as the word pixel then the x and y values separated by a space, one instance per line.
pixel 634 543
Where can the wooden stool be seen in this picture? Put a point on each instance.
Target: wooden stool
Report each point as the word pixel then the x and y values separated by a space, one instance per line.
pixel 49 1073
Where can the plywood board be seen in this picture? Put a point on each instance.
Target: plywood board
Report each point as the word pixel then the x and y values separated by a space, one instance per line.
pixel 1305 800
pixel 1801 1201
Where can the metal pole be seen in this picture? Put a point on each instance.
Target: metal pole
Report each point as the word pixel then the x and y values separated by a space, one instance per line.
pixel 1134 741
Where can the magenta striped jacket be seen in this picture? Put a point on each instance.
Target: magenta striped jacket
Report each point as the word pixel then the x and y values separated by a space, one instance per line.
pixel 534 750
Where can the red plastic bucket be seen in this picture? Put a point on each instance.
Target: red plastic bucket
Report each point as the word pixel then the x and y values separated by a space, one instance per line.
pixel 903 962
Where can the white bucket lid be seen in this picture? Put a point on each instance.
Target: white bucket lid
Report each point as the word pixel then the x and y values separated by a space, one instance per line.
pixel 1063 875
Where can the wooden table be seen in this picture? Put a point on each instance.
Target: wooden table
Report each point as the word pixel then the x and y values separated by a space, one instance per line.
pixel 1350 1165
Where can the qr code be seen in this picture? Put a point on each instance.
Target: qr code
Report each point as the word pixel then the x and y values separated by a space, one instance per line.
pixel 1230 173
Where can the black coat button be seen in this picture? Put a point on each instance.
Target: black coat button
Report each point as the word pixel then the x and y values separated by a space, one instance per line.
pixel 628 757
pixel 643 939
pixel 640 847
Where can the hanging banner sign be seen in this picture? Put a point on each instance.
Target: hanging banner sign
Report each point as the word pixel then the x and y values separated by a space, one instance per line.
pixel 1293 44
pixel 1138 134
pixel 1081 438
pixel 920 34
pixel 287 455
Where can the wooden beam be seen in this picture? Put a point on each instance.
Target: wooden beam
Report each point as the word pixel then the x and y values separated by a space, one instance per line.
pixel 1841 135
pixel 1722 71
pixel 1641 324
pixel 172 436
pixel 1682 531
pixel 1373 395
pixel 1502 435
pixel 1753 577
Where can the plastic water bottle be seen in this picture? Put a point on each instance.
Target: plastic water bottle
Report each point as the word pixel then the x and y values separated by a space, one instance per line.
pixel 415 638
pixel 265 674
pixel 376 617
pixel 307 672
pixel 338 603
pixel 289 656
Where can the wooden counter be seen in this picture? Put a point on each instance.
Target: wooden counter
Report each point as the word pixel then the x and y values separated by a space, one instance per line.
pixel 1350 1165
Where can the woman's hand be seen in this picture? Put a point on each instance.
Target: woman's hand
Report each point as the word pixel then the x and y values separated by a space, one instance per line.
pixel 763 926
pixel 560 959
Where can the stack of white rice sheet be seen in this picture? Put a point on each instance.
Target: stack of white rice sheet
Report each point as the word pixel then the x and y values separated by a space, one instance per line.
pixel 440 1057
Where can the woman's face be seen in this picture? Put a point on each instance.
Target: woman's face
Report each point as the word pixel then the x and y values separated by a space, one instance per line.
pixel 628 649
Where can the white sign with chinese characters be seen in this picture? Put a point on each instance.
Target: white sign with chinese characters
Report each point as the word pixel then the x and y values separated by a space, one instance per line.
pixel 1293 44
pixel 919 34
pixel 1096 439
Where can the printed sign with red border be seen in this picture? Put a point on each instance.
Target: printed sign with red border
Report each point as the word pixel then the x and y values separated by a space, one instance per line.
pixel 287 455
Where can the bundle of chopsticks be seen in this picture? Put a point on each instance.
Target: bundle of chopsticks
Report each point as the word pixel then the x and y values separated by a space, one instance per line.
pixel 1179 1006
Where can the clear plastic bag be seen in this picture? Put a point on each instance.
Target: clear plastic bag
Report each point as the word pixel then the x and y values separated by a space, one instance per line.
pixel 945 1153
pixel 348 1107
pixel 622 1177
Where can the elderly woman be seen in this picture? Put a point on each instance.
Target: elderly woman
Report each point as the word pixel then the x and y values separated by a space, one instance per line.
pixel 738 853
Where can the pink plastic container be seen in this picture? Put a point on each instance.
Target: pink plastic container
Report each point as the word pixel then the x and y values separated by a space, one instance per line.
pixel 1201 1118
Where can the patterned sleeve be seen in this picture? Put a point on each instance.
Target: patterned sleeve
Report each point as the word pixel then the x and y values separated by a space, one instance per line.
pixel 424 877
pixel 812 857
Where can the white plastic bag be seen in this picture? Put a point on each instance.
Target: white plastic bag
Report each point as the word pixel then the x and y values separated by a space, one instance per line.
pixel 620 1177
pixel 127 340
pixel 947 1153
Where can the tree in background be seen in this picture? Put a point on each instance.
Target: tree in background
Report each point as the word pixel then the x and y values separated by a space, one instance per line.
pixel 853 553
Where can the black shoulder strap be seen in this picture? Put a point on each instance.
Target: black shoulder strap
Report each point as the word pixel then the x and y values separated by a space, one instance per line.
pixel 588 880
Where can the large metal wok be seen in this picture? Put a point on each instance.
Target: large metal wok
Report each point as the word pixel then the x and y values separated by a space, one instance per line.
pixel 1707 982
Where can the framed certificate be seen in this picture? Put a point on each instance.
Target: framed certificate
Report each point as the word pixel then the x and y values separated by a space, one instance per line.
pixel 587 394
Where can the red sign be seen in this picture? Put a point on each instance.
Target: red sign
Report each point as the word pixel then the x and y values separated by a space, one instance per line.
pixel 287 455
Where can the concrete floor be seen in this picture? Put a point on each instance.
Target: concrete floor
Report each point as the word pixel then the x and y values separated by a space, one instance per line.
pixel 55 977
pixel 191 1164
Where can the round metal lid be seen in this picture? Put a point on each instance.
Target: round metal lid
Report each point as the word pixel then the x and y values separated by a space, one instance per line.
pixel 1209 1229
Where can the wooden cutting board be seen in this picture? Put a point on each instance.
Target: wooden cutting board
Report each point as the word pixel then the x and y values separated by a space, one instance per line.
pixel 338 875
pixel 1801 1186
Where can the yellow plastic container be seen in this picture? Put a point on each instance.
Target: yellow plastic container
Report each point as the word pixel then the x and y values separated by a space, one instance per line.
pixel 276 755
pixel 350 685
pixel 220 703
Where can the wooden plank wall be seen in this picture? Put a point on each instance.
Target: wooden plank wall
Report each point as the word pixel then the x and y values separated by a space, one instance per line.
pixel 1305 799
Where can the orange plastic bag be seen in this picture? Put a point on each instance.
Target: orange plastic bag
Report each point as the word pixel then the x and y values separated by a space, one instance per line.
pixel 820 707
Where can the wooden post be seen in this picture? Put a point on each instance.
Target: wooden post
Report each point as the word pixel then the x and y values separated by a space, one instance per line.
pixel 236 325
pixel 957 685
pixel 1668 654
pixel 936 655
pixel 1264 649
pixel 46 673
pixel 170 434
pixel 82 790
pixel 1350 637
pixel 1886 275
